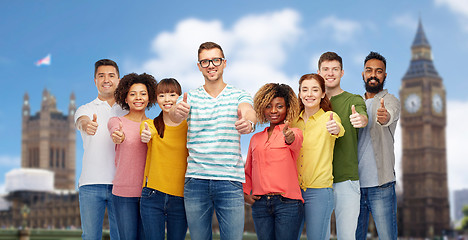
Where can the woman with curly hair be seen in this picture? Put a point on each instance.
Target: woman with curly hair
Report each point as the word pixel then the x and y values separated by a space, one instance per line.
pixel 271 185
pixel 162 197
pixel 320 127
pixel 134 93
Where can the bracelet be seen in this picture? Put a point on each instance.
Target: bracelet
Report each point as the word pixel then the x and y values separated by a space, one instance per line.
pixel 252 125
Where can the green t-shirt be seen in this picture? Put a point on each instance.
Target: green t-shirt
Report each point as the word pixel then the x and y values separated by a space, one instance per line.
pixel 345 157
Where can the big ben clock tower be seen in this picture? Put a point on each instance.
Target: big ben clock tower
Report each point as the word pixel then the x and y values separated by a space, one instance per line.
pixel 423 120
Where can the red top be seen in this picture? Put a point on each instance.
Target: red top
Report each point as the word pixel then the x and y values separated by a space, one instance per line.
pixel 271 164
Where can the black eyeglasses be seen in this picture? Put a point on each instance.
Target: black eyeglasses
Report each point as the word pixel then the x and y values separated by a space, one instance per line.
pixel 206 62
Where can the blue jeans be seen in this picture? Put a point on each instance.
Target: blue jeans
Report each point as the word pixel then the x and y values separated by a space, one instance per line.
pixel 158 209
pixel 202 196
pixel 127 212
pixel 347 202
pixel 94 199
pixel 381 201
pixel 318 207
pixel 277 217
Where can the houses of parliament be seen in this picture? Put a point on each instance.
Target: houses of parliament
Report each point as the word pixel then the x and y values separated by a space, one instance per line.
pixel 48 151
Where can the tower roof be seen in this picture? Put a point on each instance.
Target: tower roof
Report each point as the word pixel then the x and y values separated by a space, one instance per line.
pixel 421 64
pixel 420 40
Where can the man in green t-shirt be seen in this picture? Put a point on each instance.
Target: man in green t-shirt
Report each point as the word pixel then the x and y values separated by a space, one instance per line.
pixel 352 110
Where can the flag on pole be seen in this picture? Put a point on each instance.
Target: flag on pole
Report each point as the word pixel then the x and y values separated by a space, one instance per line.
pixel 43 61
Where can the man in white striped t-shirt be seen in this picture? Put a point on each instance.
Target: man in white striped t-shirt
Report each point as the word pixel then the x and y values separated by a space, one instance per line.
pixel 217 114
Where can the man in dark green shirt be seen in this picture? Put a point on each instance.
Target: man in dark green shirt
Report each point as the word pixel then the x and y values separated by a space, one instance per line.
pixel 352 110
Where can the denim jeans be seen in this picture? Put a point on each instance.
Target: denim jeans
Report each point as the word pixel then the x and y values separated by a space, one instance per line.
pixel 127 212
pixel 202 196
pixel 347 202
pixel 277 217
pixel 318 207
pixel 94 199
pixel 158 209
pixel 382 203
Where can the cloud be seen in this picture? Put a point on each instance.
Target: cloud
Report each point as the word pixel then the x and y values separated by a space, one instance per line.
pixel 10 161
pixel 255 48
pixel 457 160
pixel 406 21
pixel 459 7
pixel 340 30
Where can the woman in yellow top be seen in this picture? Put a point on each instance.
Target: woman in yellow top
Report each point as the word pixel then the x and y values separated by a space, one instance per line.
pixel 162 197
pixel 320 127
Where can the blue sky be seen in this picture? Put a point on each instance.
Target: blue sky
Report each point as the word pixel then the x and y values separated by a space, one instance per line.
pixel 264 41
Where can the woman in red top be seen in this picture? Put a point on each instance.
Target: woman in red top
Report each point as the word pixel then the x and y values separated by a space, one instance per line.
pixel 271 184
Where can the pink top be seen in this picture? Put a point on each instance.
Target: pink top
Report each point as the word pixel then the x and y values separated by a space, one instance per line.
pixel 130 158
pixel 271 164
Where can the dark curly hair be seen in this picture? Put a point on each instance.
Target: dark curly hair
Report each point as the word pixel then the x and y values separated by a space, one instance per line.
pixel 166 85
pixel 126 83
pixel 268 92
pixel 325 103
pixel 375 55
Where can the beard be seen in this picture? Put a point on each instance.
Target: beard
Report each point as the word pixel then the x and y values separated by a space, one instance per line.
pixel 374 89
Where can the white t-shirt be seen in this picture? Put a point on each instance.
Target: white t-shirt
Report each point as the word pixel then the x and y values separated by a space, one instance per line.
pixel 99 151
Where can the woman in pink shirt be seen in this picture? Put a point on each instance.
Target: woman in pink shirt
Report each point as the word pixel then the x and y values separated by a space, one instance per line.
pixel 134 93
pixel 271 184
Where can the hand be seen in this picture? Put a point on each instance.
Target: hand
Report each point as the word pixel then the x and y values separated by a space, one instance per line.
pixel 382 114
pixel 332 126
pixel 92 126
pixel 250 199
pixel 145 134
pixel 118 135
pixel 182 109
pixel 288 134
pixel 243 126
pixel 356 119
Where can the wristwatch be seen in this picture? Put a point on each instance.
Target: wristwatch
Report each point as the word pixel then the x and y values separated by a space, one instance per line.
pixel 253 126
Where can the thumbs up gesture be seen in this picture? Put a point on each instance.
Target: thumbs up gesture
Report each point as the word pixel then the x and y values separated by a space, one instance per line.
pixel 145 134
pixel 91 126
pixel 332 126
pixel 382 114
pixel 118 135
pixel 356 119
pixel 288 134
pixel 243 126
pixel 182 110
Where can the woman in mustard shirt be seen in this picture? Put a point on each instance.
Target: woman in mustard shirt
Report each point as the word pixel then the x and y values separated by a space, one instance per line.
pixel 320 127
pixel 271 185
pixel 162 197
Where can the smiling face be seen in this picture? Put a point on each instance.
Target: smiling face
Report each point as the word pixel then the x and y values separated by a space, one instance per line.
pixel 311 94
pixel 167 100
pixel 276 111
pixel 137 97
pixel 212 73
pixel 106 80
pixel 374 75
pixel 332 72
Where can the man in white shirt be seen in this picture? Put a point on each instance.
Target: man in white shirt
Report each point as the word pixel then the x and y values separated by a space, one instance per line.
pixel 98 168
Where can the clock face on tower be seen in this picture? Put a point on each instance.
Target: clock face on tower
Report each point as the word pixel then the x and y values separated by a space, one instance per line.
pixel 437 103
pixel 413 103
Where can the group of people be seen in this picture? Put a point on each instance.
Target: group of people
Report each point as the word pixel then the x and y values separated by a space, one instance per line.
pixel 325 149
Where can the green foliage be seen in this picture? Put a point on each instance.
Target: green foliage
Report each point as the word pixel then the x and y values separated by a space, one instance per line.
pixel 465 210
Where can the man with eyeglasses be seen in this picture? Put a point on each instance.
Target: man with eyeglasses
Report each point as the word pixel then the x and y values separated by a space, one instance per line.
pixel 217 114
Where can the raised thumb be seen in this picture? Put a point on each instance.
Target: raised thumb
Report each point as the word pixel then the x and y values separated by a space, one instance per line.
pixel 146 126
pixel 239 113
pixel 94 117
pixel 286 126
pixel 331 116
pixel 382 103
pixel 120 126
pixel 185 98
pixel 353 109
